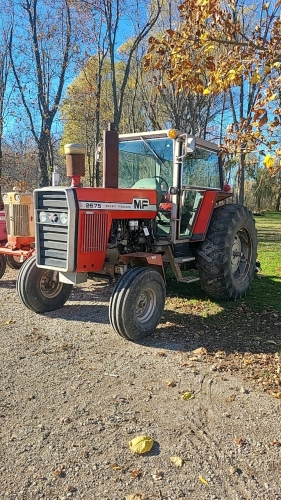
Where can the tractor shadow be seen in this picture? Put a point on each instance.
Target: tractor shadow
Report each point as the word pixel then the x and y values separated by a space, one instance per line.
pixel 95 313
pixel 249 325
pixel 8 283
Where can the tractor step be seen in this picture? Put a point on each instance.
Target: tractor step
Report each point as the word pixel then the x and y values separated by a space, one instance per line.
pixel 188 279
pixel 181 260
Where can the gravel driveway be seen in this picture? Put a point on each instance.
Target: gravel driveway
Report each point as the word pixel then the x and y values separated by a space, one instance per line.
pixel 74 393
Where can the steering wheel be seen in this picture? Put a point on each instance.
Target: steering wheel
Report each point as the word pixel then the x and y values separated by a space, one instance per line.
pixel 164 186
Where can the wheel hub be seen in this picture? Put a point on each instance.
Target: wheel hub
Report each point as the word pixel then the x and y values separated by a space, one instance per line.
pixel 50 285
pixel 241 254
pixel 145 305
pixel 236 253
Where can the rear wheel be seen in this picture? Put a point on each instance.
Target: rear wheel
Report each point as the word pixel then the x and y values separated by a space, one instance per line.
pixel 40 289
pixel 137 303
pixel 227 258
pixel 2 265
pixel 14 262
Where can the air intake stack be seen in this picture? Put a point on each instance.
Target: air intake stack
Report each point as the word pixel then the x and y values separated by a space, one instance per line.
pixel 75 163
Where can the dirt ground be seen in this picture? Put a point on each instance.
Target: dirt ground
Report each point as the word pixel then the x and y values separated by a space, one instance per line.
pixel 74 394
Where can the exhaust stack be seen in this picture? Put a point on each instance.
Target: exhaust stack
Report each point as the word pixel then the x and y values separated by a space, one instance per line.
pixel 110 157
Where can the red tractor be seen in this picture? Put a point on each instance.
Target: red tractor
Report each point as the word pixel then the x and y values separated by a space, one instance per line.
pixel 163 204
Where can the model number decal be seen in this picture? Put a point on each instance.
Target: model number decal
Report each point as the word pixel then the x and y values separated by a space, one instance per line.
pixel 90 204
pixel 136 204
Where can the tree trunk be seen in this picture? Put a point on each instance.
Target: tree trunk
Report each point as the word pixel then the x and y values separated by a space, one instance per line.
pixel 43 150
pixel 241 178
pixel 278 201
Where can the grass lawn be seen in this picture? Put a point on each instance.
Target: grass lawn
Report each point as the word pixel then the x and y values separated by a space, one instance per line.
pixel 266 290
pixel 242 335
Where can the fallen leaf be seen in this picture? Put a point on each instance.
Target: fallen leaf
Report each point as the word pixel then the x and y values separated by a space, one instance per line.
pixel 177 461
pixel 141 444
pixel 136 473
pixel 270 342
pixel 202 480
pixel 187 395
pixel 134 496
pixel 10 322
pixel 275 443
pixel 200 351
pixel 59 471
pixel 171 383
pixel 240 441
pixel 230 398
pixel 115 467
pixel 276 395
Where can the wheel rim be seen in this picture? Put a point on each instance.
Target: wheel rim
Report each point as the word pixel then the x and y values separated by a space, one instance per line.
pixel 145 305
pixel 49 284
pixel 241 254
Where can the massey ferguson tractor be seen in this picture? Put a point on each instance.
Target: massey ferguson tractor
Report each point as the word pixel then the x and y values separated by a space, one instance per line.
pixel 162 204
pixel 19 238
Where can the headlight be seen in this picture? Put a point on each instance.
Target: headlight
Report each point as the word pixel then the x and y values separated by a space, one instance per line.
pixel 42 216
pixel 17 197
pixel 63 218
pixel 5 197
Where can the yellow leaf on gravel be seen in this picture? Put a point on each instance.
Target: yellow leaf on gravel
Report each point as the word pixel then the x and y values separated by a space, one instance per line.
pixel 171 383
pixel 116 467
pixel 276 395
pixel 187 395
pixel 200 351
pixel 10 322
pixel 202 480
pixel 134 496
pixel 141 444
pixel 177 461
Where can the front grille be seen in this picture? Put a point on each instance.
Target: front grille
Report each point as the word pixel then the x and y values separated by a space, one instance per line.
pixel 52 236
pixel 95 232
pixel 17 219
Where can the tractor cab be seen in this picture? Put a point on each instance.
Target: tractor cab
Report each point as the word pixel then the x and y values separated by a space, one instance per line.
pixel 185 171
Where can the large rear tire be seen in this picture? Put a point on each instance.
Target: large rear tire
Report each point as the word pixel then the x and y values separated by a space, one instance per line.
pixel 137 303
pixel 227 258
pixel 14 262
pixel 39 289
pixel 2 265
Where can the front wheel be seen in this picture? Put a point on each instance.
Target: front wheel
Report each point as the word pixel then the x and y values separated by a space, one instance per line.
pixel 2 265
pixel 137 303
pixel 40 289
pixel 14 261
pixel 227 258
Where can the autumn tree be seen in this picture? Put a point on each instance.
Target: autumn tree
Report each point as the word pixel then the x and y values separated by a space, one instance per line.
pixel 221 46
pixel 40 56
pixel 107 91
pixel 86 110
pixel 4 94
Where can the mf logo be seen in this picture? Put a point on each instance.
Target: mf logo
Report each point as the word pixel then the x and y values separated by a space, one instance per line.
pixel 140 203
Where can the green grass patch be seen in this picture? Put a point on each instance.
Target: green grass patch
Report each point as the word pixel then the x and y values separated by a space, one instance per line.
pixel 265 290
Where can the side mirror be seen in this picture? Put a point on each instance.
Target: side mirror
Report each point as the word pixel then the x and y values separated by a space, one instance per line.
pixel 188 145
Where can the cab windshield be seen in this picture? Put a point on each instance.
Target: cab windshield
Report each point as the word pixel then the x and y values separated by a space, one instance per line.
pixel 145 159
